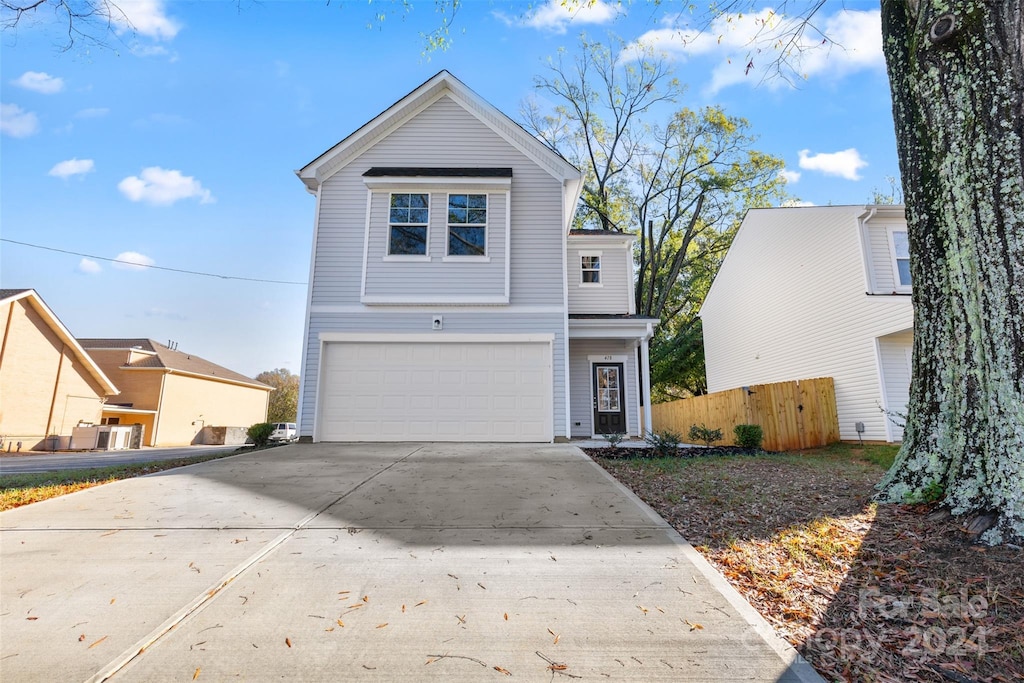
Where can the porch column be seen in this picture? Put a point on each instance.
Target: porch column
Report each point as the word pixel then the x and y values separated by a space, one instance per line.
pixel 645 372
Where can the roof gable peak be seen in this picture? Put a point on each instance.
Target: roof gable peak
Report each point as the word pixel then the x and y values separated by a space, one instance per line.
pixel 442 84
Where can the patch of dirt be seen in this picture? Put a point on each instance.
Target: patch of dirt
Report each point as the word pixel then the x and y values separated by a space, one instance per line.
pixel 865 592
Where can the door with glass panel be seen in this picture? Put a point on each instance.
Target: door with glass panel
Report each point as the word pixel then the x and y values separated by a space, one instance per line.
pixel 609 399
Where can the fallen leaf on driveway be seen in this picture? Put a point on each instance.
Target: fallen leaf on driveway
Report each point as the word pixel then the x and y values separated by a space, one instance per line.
pixel 288 642
pixel 98 642
pixel 81 637
pixel 421 602
pixel 693 627
pixel 196 674
pixel 382 625
pixel 341 623
pixel 504 671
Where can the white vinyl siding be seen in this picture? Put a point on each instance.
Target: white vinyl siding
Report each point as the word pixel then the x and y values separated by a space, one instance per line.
pixel 882 266
pixel 616 286
pixel 443 134
pixel 434 275
pixel 581 412
pixel 789 303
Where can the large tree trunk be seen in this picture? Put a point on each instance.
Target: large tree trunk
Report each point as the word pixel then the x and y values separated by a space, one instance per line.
pixel 957 77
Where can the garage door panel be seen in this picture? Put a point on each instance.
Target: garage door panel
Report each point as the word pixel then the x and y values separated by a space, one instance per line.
pixel 474 391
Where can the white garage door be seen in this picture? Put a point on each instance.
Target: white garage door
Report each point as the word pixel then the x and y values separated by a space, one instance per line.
pixel 431 391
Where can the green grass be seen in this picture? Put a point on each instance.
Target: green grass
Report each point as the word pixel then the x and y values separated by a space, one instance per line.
pixel 31 487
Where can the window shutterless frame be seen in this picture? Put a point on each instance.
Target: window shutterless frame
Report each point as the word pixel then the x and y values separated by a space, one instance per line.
pixel 899 248
pixel 590 269
pixel 408 224
pixel 467 226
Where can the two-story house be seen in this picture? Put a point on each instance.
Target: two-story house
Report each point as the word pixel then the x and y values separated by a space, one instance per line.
pixel 814 292
pixel 449 299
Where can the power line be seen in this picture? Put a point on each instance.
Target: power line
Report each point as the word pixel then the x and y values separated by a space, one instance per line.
pixel 147 265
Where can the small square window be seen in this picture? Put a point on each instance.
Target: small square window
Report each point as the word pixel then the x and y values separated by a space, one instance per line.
pixel 467 224
pixel 590 270
pixel 408 217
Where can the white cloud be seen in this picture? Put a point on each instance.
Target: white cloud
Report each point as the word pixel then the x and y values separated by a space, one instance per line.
pixel 87 265
pixel 789 176
pixel 844 164
pixel 39 81
pixel 92 113
pixel 556 16
pixel 132 260
pixel 66 169
pixel 748 45
pixel 145 17
pixel 163 187
pixel 796 203
pixel 17 122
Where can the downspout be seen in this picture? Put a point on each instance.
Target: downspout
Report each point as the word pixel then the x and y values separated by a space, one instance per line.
pixel 56 386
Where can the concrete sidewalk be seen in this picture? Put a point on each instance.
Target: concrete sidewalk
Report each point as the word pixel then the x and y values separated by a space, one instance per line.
pixel 37 461
pixel 370 562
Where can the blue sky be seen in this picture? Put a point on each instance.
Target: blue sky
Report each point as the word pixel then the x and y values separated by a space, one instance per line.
pixel 176 144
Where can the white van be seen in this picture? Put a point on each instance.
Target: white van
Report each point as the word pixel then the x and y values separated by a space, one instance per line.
pixel 284 431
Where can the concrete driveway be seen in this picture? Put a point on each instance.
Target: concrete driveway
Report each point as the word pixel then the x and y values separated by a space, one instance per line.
pixel 371 562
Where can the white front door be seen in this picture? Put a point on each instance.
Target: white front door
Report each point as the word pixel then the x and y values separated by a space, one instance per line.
pixel 435 391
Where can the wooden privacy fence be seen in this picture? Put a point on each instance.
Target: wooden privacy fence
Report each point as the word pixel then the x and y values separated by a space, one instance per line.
pixel 792 415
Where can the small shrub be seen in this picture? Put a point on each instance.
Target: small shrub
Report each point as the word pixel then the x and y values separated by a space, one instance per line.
pixel 260 433
pixel 748 436
pixel 614 439
pixel 664 444
pixel 704 434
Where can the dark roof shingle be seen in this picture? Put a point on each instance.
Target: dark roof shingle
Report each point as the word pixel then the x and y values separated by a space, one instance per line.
pixel 170 359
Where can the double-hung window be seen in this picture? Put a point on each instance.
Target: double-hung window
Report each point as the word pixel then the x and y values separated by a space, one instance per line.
pixel 901 258
pixel 467 225
pixel 408 218
pixel 590 270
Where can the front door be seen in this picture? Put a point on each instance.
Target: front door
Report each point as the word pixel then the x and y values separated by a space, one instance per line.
pixel 609 399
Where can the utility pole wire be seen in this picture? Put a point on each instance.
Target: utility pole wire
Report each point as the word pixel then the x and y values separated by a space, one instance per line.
pixel 147 265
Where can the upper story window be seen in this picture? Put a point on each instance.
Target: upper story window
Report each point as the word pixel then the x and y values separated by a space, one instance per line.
pixel 467 224
pixel 901 257
pixel 590 269
pixel 407 224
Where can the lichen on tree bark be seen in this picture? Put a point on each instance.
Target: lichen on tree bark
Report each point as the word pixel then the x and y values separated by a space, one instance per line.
pixel 956 70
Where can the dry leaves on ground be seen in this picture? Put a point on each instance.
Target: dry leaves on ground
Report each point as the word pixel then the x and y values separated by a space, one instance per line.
pixel 865 592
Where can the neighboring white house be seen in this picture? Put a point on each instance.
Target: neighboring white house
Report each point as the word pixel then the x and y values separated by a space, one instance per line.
pixel 813 292
pixel 448 300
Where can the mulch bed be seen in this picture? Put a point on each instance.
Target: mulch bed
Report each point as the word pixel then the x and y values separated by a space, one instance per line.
pixel 865 592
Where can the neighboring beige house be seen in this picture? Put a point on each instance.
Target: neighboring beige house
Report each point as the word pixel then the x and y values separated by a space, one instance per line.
pixel 813 292
pixel 48 383
pixel 174 394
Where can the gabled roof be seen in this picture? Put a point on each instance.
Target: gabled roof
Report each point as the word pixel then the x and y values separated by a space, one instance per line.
pixel 161 357
pixel 442 83
pixel 37 303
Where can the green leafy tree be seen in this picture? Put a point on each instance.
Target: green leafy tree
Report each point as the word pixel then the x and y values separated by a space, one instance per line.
pixel 284 399
pixel 681 185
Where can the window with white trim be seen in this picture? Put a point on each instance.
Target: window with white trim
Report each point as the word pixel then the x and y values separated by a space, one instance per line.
pixel 408 218
pixel 467 225
pixel 901 258
pixel 590 269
